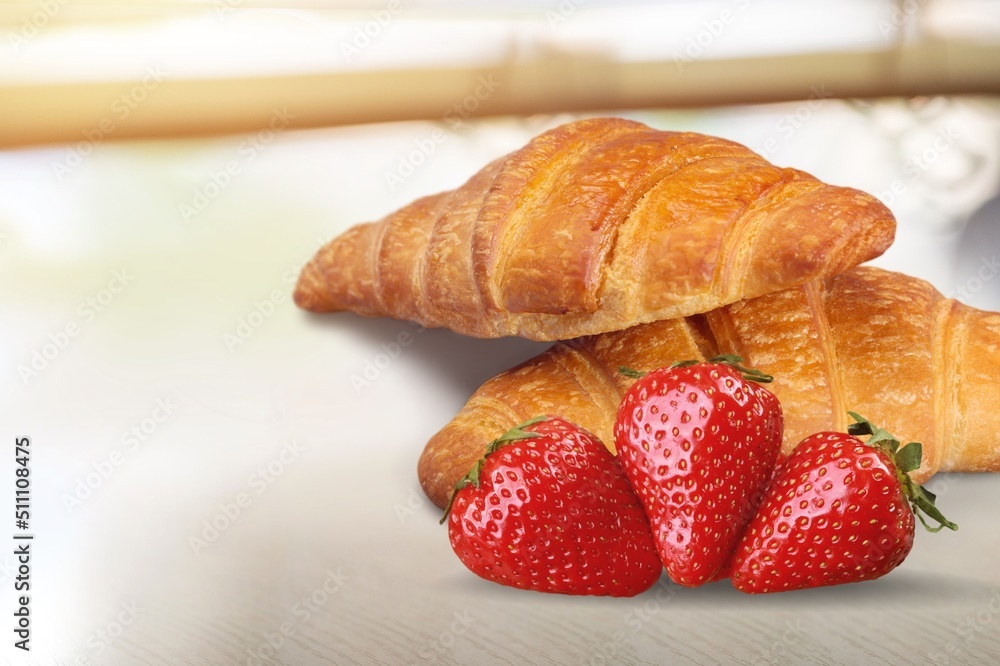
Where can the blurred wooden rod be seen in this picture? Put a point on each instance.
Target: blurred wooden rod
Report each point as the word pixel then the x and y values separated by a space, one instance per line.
pixel 158 106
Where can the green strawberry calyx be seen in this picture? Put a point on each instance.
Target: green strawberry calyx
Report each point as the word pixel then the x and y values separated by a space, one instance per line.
pixel 750 374
pixel 472 478
pixel 631 372
pixel 906 459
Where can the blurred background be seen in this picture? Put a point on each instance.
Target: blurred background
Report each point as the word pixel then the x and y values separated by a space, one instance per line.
pixel 167 167
pixel 905 89
pixel 65 62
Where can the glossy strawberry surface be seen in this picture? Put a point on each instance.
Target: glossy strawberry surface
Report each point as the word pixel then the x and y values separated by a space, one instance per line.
pixel 554 513
pixel 836 513
pixel 698 444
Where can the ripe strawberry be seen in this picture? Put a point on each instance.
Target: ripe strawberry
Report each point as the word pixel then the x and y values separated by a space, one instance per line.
pixel 838 512
pixel 549 509
pixel 698 442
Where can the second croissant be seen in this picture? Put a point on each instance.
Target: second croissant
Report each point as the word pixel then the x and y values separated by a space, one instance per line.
pixel 880 343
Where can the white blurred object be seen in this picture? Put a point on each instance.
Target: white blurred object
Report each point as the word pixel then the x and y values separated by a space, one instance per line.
pixel 976 268
pixel 944 156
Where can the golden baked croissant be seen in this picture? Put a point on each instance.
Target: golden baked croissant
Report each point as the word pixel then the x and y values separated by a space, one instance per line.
pixel 883 344
pixel 595 226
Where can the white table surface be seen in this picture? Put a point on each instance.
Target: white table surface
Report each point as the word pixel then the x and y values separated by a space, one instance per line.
pixel 335 554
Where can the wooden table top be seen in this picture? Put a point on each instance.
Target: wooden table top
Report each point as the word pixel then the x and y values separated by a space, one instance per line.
pixel 212 485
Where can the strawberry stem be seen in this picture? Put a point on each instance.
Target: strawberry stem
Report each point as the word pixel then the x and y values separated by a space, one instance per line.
pixel 750 374
pixel 906 459
pixel 472 478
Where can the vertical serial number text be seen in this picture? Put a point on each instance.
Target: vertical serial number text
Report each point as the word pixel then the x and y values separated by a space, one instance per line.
pixel 22 543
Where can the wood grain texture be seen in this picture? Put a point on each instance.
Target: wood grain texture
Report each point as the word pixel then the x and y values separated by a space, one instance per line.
pixel 595 226
pixel 406 598
pixel 879 343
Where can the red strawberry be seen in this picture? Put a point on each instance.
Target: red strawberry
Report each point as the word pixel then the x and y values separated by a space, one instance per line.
pixel 549 509
pixel 838 512
pixel 698 443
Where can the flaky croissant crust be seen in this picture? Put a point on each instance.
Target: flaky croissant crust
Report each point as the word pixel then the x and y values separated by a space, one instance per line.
pixel 595 226
pixel 883 344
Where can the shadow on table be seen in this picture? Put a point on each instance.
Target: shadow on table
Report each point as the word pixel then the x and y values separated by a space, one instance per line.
pixel 976 261
pixel 900 588
pixel 463 361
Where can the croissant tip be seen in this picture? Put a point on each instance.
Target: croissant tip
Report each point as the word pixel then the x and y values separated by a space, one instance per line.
pixel 308 299
pixel 303 297
pixel 308 293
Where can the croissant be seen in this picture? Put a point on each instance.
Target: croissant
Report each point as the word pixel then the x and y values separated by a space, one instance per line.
pixel 883 344
pixel 595 226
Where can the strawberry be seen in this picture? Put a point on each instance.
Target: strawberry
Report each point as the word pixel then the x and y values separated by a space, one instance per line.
pixel 839 511
pixel 698 442
pixel 548 508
